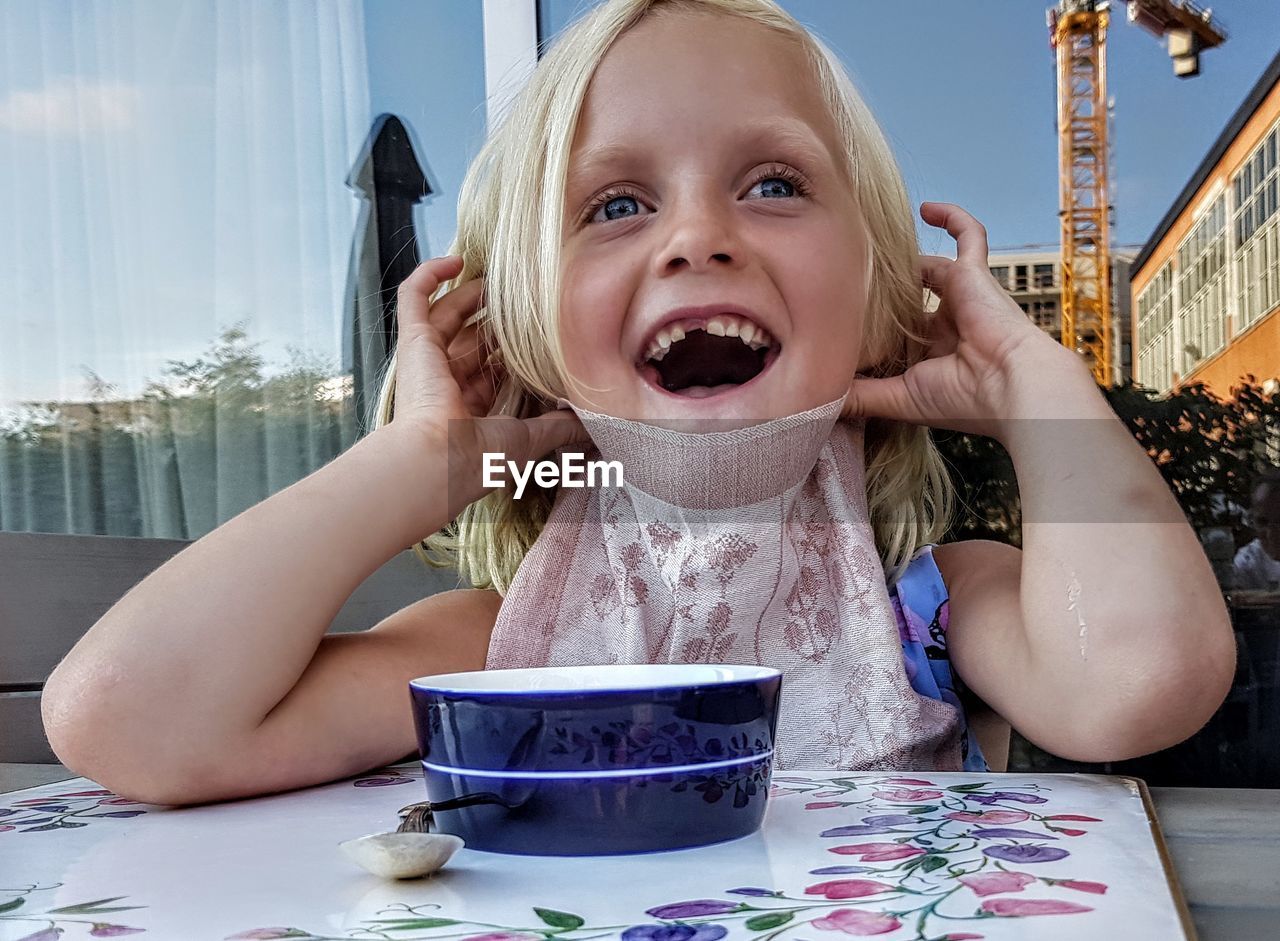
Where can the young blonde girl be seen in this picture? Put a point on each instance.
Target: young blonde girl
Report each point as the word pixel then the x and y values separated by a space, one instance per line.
pixel 1103 638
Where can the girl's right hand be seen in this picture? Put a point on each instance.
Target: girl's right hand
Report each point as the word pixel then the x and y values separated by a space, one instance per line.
pixel 445 384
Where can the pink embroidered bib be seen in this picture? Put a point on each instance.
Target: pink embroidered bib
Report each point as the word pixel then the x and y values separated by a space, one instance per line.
pixel 748 546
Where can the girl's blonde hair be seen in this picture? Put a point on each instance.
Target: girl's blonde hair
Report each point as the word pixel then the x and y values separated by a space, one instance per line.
pixel 510 216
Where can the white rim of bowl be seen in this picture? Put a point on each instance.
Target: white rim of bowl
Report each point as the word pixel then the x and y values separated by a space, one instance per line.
pixel 594 679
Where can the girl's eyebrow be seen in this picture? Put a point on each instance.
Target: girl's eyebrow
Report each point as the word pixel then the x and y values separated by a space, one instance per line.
pixel 788 134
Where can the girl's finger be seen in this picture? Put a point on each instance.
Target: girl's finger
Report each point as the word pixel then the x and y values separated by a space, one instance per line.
pixel 466 355
pixel 934 270
pixel 888 397
pixel 969 233
pixel 413 297
pixel 450 311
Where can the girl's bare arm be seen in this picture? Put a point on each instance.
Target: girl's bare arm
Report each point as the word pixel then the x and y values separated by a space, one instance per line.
pixel 210 679
pixel 173 683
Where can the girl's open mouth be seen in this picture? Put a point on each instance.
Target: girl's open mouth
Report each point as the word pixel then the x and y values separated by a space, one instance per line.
pixel 703 358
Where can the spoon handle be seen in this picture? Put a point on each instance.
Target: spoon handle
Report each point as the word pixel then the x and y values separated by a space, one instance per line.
pixel 417 818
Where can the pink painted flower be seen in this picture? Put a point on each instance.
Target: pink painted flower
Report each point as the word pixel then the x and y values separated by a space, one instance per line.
pixel 1097 888
pixel 501 936
pixel 914 782
pixel 877 852
pixel 101 930
pixel 989 883
pixel 852 921
pixel 1073 817
pixel 117 800
pixel 822 805
pixel 847 888
pixel 1068 832
pixel 989 816
pixel 1018 907
pixel 903 795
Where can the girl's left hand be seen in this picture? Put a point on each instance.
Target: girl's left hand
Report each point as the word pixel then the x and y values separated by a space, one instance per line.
pixel 981 346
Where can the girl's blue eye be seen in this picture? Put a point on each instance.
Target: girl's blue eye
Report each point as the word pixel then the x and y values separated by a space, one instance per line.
pixel 781 186
pixel 623 212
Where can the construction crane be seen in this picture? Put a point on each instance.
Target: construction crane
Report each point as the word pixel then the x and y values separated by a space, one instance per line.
pixel 1078 34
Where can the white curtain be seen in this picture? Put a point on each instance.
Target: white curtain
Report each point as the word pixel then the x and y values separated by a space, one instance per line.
pixel 174 247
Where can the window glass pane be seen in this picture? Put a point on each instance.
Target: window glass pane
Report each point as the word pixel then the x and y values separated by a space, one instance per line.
pixel 216 328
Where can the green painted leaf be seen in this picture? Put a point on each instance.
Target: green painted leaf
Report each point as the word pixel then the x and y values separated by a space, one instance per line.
pixel 421 924
pixel 930 863
pixel 771 920
pixel 84 908
pixel 11 905
pixel 562 920
pixel 966 788
pixel 922 810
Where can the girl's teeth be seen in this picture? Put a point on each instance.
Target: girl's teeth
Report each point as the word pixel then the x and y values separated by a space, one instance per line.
pixel 721 326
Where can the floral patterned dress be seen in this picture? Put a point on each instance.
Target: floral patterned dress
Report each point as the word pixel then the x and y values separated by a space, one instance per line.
pixel 920 603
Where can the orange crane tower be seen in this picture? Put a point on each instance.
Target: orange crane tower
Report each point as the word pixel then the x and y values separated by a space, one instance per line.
pixel 1078 34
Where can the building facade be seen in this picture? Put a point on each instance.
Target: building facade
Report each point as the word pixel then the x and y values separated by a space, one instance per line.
pixel 1034 280
pixel 1206 286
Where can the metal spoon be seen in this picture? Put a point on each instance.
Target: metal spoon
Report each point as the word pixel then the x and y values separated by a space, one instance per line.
pixel 410 852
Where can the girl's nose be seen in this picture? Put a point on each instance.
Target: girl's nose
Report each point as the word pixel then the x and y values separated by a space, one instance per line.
pixel 699 236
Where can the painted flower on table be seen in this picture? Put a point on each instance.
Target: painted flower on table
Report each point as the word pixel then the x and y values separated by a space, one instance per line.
pixel 1007 833
pixel 1097 888
pixel 905 795
pixel 503 936
pixel 1019 907
pixel 1026 854
pixel 822 805
pixel 855 922
pixel 848 888
pixel 100 930
pixel 698 908
pixel 991 883
pixel 997 796
pixel 877 852
pixel 675 933
pixel 988 816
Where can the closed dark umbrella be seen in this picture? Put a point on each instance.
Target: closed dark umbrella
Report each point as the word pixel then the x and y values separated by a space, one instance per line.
pixel 389 181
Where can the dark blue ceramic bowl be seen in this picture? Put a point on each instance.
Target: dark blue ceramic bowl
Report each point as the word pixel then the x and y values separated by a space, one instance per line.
pixel 595 760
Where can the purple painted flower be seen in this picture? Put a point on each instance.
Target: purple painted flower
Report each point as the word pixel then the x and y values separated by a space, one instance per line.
pixel 840 870
pixel 995 796
pixel 45 934
pixel 889 820
pixel 694 909
pixel 264 934
pixel 675 933
pixel 1026 854
pixel 1007 833
pixel 112 931
pixel 855 831
pixel 759 893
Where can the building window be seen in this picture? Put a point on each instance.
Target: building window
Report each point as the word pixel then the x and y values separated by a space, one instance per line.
pixel 1044 314
pixel 1020 278
pixel 1043 276
pixel 1202 288
pixel 1255 224
pixel 1155 331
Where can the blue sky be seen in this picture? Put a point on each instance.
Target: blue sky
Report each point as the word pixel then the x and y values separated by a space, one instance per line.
pixel 966 94
pixel 168 170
